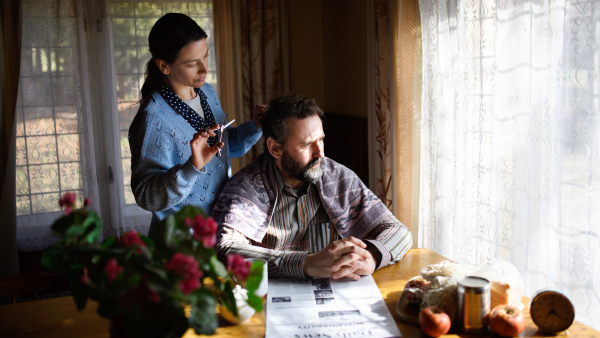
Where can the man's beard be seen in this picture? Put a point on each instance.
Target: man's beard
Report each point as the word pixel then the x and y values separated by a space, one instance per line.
pixel 300 171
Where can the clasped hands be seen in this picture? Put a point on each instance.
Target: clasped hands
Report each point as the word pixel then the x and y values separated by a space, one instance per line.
pixel 346 258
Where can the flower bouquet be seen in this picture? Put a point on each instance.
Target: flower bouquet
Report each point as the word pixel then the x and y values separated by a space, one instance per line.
pixel 155 286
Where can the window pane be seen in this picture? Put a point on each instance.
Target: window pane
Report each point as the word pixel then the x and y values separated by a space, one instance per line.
pixel 43 178
pixel 41 203
pixel 132 22
pixel 48 150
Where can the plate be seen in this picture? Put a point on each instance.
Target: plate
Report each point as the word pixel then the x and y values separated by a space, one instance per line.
pixel 408 312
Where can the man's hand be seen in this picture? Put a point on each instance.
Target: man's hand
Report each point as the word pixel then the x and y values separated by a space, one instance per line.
pixel 258 112
pixel 201 153
pixel 351 266
pixel 346 258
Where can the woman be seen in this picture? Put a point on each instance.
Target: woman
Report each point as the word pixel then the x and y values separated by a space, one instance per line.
pixel 172 138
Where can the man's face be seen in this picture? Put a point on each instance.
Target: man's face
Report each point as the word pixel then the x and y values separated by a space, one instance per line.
pixel 304 149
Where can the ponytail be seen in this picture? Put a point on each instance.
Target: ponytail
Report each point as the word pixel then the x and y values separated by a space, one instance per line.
pixel 152 76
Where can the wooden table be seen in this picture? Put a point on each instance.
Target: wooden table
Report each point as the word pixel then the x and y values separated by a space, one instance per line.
pixel 59 318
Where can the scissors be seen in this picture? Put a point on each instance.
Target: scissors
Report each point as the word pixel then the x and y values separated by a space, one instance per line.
pixel 221 128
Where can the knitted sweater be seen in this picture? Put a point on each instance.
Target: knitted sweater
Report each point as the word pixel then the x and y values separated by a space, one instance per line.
pixel 163 178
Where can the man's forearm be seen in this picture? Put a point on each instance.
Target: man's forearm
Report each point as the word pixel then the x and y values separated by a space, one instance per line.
pixel 392 238
pixel 281 263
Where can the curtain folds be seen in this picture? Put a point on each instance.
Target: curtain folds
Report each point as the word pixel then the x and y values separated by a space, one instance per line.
pixel 264 57
pixel 393 116
pixel 226 21
pixel 510 154
pixel 10 60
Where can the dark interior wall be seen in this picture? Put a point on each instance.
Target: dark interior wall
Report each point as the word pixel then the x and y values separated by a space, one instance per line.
pixel 307 76
pixel 328 53
pixel 345 56
pixel 328 62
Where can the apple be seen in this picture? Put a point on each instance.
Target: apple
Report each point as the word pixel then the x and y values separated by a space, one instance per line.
pixel 507 320
pixel 434 322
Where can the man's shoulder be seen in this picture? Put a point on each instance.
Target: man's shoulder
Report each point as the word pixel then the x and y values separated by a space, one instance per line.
pixel 336 170
pixel 249 175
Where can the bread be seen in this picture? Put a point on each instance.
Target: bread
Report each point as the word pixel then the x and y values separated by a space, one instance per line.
pixel 500 294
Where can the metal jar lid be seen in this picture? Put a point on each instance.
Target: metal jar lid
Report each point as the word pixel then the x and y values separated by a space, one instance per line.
pixel 474 285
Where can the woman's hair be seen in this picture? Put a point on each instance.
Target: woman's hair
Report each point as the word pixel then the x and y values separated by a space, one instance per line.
pixel 168 36
pixel 274 124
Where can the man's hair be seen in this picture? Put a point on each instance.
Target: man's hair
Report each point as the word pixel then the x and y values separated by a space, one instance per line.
pixel 274 122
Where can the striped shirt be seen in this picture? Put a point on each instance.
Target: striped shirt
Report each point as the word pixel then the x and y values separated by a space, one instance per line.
pixel 300 225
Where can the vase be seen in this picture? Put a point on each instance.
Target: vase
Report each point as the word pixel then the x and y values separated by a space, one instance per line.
pixel 245 312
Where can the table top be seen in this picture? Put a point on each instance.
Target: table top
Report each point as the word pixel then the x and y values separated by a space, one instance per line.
pixel 58 317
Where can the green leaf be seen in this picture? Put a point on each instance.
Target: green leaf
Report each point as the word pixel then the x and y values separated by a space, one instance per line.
pixel 148 241
pixel 188 211
pixel 228 299
pixel 255 277
pixel 170 229
pixel 218 267
pixel 157 271
pixel 254 301
pixel 62 224
pixel 50 258
pixel 109 242
pixel 74 230
pixel 203 317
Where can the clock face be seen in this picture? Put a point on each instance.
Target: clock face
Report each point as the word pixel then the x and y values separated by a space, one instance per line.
pixel 552 311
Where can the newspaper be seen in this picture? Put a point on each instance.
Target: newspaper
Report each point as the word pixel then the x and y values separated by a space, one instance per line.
pixel 317 308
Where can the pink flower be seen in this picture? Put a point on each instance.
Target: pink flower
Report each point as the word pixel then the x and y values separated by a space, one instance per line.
pixel 237 265
pixel 188 268
pixel 87 201
pixel 154 296
pixel 67 201
pixel 132 238
pixel 112 269
pixel 84 279
pixel 205 230
pixel 189 284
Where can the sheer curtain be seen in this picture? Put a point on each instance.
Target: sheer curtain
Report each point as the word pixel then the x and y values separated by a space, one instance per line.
pixel 54 134
pixel 510 144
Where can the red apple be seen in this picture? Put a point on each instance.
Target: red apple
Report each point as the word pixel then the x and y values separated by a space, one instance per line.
pixel 507 320
pixel 434 322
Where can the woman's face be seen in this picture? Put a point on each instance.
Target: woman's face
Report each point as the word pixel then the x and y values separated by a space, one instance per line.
pixel 190 67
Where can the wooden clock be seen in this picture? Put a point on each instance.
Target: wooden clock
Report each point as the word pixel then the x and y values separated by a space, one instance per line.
pixel 551 311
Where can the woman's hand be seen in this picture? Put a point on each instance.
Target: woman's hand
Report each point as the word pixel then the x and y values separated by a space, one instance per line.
pixel 201 153
pixel 258 112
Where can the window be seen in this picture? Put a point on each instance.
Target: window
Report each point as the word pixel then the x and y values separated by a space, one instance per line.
pixel 48 114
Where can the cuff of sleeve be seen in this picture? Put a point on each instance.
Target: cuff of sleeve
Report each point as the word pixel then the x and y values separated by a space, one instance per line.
pixel 292 264
pixel 189 173
pixel 249 128
pixel 384 255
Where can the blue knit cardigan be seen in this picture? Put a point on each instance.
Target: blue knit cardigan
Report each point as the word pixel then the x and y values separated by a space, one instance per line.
pixel 163 178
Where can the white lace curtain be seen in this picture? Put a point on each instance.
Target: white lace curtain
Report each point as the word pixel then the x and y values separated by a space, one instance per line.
pixel 55 127
pixel 510 140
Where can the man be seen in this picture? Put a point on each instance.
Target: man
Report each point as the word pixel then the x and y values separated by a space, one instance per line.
pixel 307 215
